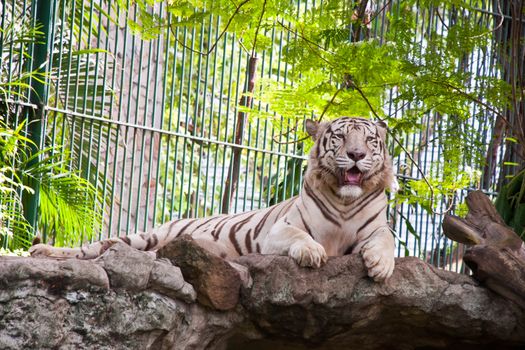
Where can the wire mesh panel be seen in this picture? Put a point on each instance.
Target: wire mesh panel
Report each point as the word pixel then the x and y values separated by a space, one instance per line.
pixel 166 124
pixel 154 123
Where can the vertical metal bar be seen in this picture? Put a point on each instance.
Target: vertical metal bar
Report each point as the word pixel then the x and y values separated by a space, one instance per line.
pixel 228 104
pixel 170 123
pixel 151 135
pixel 119 117
pixel 107 144
pixel 219 112
pixel 210 118
pixel 197 105
pixel 117 131
pixel 162 119
pixel 57 86
pixel 204 113
pixel 68 84
pixel 132 174
pixel 126 133
pixel 42 14
pixel 153 123
pixel 177 128
pixel 177 123
pixel 185 141
pixel 63 128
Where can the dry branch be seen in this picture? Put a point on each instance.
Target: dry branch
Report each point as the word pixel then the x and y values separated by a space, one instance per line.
pixel 496 254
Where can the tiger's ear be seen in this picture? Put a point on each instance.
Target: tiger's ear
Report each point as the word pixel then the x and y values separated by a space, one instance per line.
pixel 382 128
pixel 312 128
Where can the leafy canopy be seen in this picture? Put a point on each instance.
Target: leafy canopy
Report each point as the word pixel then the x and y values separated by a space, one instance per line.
pixel 340 66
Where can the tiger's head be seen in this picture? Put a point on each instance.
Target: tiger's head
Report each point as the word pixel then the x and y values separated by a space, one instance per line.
pixel 350 155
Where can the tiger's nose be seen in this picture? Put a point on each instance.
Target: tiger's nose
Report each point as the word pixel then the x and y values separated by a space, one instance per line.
pixel 356 155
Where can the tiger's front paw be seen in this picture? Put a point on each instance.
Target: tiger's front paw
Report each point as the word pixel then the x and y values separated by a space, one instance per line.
pixel 39 250
pixel 308 253
pixel 379 260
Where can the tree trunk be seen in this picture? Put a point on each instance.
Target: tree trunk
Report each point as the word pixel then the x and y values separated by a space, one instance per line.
pixel 233 171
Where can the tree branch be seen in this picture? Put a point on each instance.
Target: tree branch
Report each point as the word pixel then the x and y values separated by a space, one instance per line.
pixel 237 9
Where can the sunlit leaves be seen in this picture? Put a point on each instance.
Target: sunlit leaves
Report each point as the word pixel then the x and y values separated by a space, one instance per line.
pixel 420 64
pixel 69 208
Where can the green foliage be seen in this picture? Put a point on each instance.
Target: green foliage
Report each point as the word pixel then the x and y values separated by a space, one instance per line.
pixel 67 201
pixel 510 203
pixel 69 209
pixel 427 74
pixel 418 65
pixel 70 206
pixel 13 225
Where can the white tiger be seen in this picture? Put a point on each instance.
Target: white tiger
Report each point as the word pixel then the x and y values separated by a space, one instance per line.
pixel 342 208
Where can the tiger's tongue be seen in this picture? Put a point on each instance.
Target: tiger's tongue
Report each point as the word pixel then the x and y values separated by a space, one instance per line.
pixel 353 177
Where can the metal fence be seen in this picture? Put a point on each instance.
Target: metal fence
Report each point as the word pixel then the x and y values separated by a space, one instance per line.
pixel 156 124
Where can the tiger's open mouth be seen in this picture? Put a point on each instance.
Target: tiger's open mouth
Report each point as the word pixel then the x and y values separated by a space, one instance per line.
pixel 353 177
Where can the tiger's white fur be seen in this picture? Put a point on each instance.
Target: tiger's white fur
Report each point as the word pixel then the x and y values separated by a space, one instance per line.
pixel 342 208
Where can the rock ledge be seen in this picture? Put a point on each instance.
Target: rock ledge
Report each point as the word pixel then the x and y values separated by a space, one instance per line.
pixel 131 300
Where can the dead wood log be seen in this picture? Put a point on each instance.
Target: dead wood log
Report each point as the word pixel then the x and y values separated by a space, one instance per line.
pixel 496 254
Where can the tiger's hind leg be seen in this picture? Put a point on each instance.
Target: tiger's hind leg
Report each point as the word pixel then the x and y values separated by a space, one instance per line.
pixel 91 251
pixel 140 241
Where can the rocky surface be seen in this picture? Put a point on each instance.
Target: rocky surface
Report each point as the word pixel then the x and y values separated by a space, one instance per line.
pixel 132 300
pixel 216 281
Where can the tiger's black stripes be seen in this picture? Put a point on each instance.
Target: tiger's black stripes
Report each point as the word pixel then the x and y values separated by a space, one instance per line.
pixel 125 240
pixel 235 228
pixel 364 239
pixel 325 141
pixel 322 208
pixel 306 227
pixel 181 232
pixel 217 230
pixel 248 241
pixel 151 241
pixel 172 226
pixel 207 221
pixel 286 207
pixel 369 220
pixel 326 199
pixel 236 245
pixel 262 222
pixel 362 199
pixel 362 204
